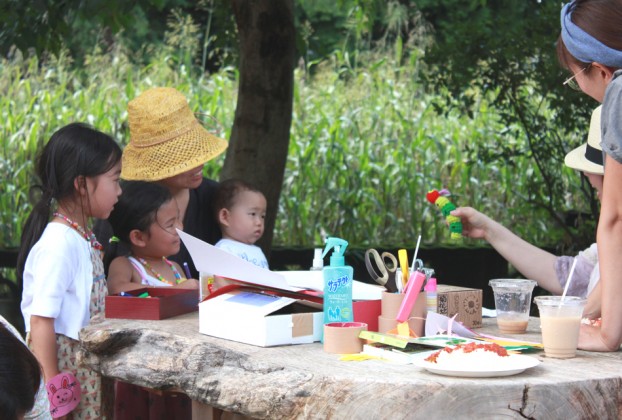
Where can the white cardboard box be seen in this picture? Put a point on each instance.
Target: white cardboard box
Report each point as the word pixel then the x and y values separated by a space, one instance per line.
pixel 273 320
pixel 260 319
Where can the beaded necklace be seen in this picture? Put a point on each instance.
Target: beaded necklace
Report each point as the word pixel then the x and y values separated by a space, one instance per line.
pixel 159 276
pixel 89 236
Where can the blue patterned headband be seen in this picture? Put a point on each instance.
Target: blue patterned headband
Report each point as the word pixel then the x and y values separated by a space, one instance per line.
pixel 583 46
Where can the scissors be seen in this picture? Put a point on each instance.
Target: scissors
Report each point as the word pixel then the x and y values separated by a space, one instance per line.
pixel 386 277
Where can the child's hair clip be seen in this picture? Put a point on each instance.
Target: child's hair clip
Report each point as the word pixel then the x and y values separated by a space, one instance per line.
pixel 114 240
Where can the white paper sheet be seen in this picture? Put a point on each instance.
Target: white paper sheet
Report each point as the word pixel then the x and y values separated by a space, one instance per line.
pixel 436 323
pixel 209 259
pixel 314 280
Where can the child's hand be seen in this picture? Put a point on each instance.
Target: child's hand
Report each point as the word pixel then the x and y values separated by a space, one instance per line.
pixel 188 284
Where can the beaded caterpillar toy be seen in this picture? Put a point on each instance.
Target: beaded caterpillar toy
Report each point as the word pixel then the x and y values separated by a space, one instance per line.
pixel 455 224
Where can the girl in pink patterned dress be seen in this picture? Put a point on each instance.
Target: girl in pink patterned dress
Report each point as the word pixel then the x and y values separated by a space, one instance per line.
pixel 60 260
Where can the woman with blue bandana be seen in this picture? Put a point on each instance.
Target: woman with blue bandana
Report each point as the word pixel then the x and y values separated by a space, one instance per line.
pixel 590 46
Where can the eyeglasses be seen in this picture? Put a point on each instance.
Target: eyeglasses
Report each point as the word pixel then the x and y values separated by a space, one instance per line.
pixel 572 83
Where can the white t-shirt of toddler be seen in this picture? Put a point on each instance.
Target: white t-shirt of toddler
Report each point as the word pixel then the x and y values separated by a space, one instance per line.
pixel 250 253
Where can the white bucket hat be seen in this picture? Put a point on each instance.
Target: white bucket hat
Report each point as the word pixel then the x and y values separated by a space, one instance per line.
pixel 589 156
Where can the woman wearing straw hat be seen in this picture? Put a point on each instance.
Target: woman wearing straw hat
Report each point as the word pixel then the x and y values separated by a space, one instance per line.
pixel 168 145
pixel 549 271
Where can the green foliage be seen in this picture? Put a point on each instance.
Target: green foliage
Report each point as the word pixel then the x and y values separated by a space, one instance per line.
pixel 80 26
pixel 380 120
pixel 507 50
pixel 367 144
pixel 501 51
pixel 41 97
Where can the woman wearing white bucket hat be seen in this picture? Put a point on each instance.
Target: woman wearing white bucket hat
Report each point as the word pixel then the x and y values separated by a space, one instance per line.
pixel 548 270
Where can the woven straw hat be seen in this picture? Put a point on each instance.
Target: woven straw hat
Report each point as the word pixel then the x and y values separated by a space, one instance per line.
pixel 166 139
pixel 589 156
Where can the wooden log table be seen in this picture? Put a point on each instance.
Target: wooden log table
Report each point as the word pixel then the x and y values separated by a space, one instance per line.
pixel 302 381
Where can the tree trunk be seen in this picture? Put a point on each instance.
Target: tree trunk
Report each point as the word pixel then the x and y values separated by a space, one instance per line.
pixel 259 139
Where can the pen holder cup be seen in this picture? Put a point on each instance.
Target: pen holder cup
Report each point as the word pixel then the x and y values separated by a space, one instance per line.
pixel 343 337
pixel 390 306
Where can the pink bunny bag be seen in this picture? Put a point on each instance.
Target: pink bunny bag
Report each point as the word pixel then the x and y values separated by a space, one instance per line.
pixel 64 394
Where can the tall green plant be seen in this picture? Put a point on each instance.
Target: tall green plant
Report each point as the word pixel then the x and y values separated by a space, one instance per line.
pixel 507 49
pixel 366 148
pixel 40 97
pixel 367 141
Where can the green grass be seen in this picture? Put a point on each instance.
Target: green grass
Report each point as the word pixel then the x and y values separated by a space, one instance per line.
pixel 366 145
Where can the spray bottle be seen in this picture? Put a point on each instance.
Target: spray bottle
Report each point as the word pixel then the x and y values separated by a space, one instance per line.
pixel 337 283
pixel 318 261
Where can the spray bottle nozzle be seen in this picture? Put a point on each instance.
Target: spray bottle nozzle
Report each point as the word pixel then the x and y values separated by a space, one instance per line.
pixel 339 245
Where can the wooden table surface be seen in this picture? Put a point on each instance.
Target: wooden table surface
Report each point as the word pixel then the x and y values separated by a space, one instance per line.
pixel 302 381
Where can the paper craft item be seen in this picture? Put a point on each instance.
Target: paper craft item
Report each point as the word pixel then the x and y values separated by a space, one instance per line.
pixel 209 259
pixel 403 329
pixel 436 323
pixel 384 339
pixel 440 324
pixel 314 280
pixel 63 393
pixel 389 353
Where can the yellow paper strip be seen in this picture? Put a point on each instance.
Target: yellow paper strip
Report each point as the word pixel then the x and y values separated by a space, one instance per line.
pixel 402 255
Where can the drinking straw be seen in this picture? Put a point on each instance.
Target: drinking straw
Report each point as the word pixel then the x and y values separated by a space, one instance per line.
pixel 412 267
pixel 574 263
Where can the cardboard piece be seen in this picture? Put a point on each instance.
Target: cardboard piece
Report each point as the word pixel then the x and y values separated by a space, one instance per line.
pixel 251 316
pixel 365 297
pixel 165 302
pixel 463 301
pixel 303 286
pixel 285 320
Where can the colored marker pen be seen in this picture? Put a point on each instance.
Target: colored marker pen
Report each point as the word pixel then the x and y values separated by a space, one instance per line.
pixel 187 271
pixel 415 283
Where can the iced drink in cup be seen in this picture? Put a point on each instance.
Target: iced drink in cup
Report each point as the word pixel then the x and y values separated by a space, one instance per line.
pixel 512 302
pixel 560 324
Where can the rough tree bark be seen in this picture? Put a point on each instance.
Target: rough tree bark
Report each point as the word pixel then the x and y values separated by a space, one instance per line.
pixel 260 136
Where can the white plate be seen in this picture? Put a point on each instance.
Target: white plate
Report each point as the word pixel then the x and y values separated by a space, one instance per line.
pixel 515 363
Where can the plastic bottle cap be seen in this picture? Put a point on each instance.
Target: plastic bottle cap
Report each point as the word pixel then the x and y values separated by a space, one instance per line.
pixel 430 285
pixel 318 261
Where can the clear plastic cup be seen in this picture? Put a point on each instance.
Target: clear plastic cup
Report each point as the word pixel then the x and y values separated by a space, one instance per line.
pixel 512 302
pixel 560 324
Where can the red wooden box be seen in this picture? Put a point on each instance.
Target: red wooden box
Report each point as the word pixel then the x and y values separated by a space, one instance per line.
pixel 164 303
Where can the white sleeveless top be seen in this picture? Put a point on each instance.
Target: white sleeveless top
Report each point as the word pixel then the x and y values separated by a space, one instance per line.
pixel 147 279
